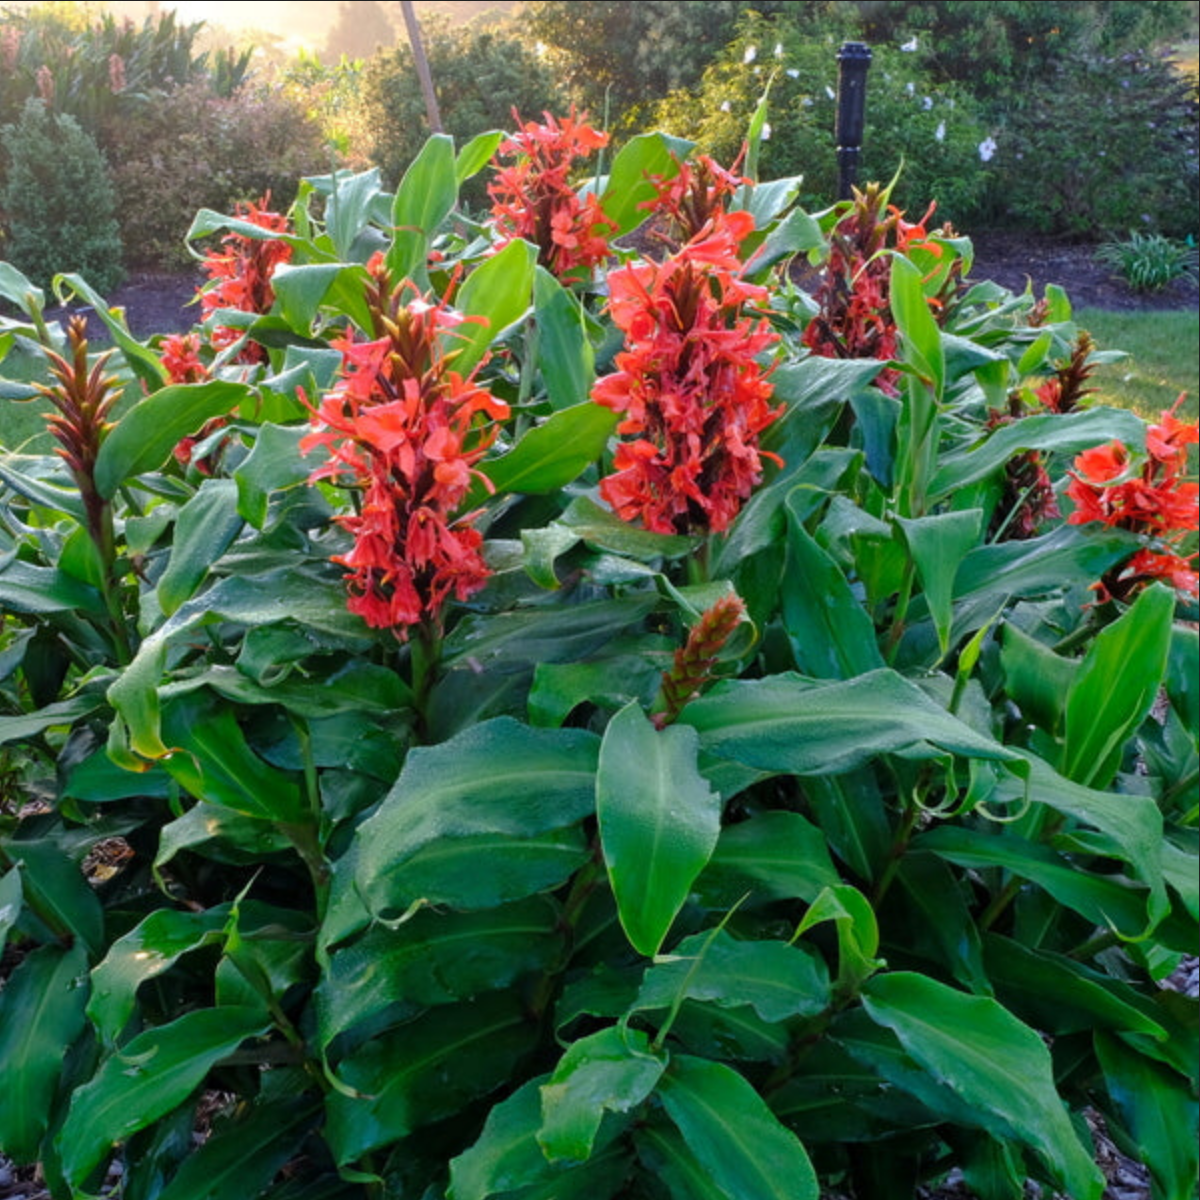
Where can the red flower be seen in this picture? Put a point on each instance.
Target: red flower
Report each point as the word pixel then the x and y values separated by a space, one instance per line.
pixel 1155 502
pixel 406 431
pixel 533 198
pixel 696 193
pixel 694 399
pixel 240 274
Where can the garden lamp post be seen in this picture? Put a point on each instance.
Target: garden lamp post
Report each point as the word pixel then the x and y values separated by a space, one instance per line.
pixel 854 60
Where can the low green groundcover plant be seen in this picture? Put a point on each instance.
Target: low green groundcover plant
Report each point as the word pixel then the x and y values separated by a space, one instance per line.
pixel 1149 262
pixel 507 715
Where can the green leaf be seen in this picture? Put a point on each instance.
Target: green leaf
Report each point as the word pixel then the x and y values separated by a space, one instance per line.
pixel 775 979
pixel 1183 677
pixel 1057 433
pixel 41 1015
pixel 204 528
pixel 25 588
pixel 57 893
pixel 1103 900
pixel 64 498
pixel 477 153
pixel 64 713
pixel 157 942
pixel 564 353
pixel 300 289
pixel 147 434
pixel 613 1070
pixel 554 453
pixel 348 210
pixel 511 785
pixel 921 337
pixel 218 834
pixel 275 462
pixel 1159 1110
pixel 11 902
pixel 733 1135
pixel 831 633
pixel 425 1070
pixel 659 822
pixel 1036 679
pixel 857 932
pixel 153 1074
pixel 436 958
pixel 241 1156
pixel 500 291
pixel 425 198
pixel 666 1156
pixel 1115 687
pixel 937 545
pixel 778 855
pixel 995 1063
pixel 786 723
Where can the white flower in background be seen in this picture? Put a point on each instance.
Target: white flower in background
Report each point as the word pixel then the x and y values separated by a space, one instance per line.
pixel 926 102
pixel 792 73
pixel 987 149
pixel 725 106
pixel 830 92
pixel 910 88
pixel 766 131
pixel 807 102
pixel 939 134
pixel 911 45
pixel 750 55
pixel 778 49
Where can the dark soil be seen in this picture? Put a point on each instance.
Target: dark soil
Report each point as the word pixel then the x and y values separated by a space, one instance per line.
pixel 163 303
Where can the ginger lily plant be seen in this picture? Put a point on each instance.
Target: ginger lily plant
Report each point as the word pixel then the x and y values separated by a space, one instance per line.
pixel 369 806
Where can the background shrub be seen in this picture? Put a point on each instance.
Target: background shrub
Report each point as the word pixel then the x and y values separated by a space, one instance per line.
pixel 57 203
pixel 192 149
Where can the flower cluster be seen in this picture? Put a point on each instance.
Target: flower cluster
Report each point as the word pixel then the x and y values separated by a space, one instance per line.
pixel 855 317
pixel 532 198
pixel 694 398
pixel 695 194
pixel 1156 502
pixel 240 274
pixel 406 431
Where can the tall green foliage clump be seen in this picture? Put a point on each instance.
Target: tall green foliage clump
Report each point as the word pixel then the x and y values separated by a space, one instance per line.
pixel 57 203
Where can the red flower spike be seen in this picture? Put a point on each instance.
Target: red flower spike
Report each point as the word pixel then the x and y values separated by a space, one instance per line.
pixel 406 431
pixel 695 660
pixel 1156 503
pixel 533 198
pixel 695 194
pixel 240 274
pixel 693 397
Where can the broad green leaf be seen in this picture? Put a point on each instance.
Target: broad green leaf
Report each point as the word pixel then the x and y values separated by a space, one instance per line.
pixel 213 760
pixel 274 462
pixel 147 434
pixel 1058 433
pixel 153 1074
pixel 11 902
pixel 243 1154
pixel 1183 677
pixel 831 634
pixel 631 181
pixel 435 958
pixel 928 912
pixel 775 979
pixel 205 527
pixel 349 207
pixel 850 811
pixel 425 198
pixel 301 288
pixel 500 291
pixel 857 932
pixel 157 942
pixel 425 1070
pixel 1159 1110
pixel 666 1156
pixel 1102 899
pixel 787 723
pixel 937 545
pixel 25 588
pixel 57 893
pixel 564 352
pixel 995 1063
pixel 477 153
pixel 601 527
pixel 497 778
pixel 1059 995
pixel 17 287
pixel 796 234
pixel 41 1015
pixel 1036 679
pixel 733 1134
pixel 554 453
pixel 46 492
pixel 614 680
pixel 1115 687
pixel 659 822
pixel 919 331
pixel 62 714
pixel 219 834
pixel 778 855
pixel 613 1070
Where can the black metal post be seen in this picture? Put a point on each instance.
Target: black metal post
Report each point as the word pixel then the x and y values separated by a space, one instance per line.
pixel 854 60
